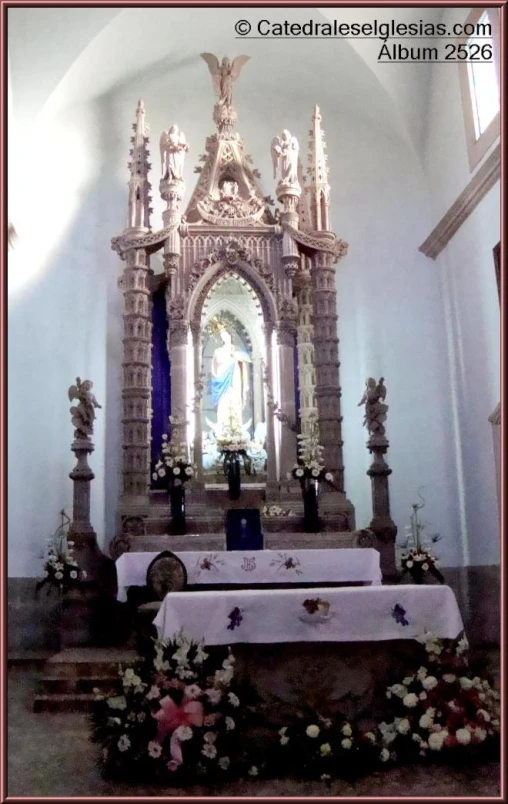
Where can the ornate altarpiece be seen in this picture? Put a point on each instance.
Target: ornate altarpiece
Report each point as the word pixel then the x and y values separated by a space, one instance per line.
pixel 282 261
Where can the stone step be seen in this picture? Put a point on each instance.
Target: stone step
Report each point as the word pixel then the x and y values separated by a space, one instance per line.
pixel 281 539
pixel 58 685
pixel 89 662
pixel 63 702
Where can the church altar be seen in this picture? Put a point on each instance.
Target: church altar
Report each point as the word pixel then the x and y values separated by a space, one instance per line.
pixel 263 566
pixel 349 614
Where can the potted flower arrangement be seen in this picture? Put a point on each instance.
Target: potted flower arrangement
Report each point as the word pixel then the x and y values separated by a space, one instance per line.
pixel 416 560
pixel 177 717
pixel 232 445
pixel 175 467
pixel 309 470
pixel 61 569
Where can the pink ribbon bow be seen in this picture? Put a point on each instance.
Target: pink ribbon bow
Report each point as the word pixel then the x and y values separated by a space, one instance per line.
pixel 170 716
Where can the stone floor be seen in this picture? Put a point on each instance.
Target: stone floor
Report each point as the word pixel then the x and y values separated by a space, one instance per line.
pixel 50 755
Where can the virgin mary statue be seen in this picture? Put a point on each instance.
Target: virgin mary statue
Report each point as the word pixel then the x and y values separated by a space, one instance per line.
pixel 230 384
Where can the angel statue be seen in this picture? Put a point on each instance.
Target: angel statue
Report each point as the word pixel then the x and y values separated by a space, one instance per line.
pixel 224 75
pixel 285 157
pixel 375 410
pixel 83 414
pixel 173 146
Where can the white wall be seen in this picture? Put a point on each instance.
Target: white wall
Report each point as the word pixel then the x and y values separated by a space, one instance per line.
pixel 465 270
pixel 66 320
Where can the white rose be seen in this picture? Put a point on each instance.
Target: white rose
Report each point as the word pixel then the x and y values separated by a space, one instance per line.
pixel 403 726
pixel 465 683
pixel 299 472
pixel 384 756
pixel 346 730
pixel 425 722
pixel 312 731
pixel 449 678
pixel 409 564
pixel 209 751
pixel 347 744
pixel 326 749
pixel 485 715
pixel 436 740
pixel 230 723
pixel 429 683
pixel 284 740
pixel 463 736
pixel 161 472
pixel 224 763
pixel 233 699
pixel 422 695
pixel 58 576
pixel 410 700
pixel 425 566
pixel 73 574
pixel 480 735
pixel 183 732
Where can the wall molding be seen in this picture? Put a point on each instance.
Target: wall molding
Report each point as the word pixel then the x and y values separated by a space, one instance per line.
pixel 483 180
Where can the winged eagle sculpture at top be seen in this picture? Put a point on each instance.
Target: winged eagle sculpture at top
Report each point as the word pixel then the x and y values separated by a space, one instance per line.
pixel 224 74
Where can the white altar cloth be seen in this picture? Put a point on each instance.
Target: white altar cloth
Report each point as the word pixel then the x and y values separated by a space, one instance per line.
pixel 344 565
pixel 356 614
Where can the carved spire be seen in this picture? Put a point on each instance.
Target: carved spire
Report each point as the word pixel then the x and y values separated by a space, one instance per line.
pixel 318 174
pixel 139 186
pixel 305 218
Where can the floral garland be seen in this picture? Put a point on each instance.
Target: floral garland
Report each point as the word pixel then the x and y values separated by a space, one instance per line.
pixel 176 717
pixel 60 566
pixel 276 510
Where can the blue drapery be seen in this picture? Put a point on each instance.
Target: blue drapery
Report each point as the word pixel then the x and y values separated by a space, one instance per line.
pixel 161 373
pixel 221 384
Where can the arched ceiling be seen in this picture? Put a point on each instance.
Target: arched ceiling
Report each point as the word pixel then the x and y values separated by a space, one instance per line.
pixel 70 54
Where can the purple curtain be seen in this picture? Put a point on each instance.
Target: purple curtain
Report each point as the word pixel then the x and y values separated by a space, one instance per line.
pixel 161 375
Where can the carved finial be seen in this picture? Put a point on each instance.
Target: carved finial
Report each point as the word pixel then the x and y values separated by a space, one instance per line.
pixel 318 173
pixel 83 414
pixel 140 124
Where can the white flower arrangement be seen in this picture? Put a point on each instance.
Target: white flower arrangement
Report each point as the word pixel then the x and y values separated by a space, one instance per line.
pixel 309 465
pixel 60 567
pixel 173 716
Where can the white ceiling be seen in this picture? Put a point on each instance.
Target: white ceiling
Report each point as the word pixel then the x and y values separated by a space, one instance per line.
pixel 78 54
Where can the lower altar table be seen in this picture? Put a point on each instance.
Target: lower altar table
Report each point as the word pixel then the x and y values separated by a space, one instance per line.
pixel 355 614
pixel 236 567
pixel 336 664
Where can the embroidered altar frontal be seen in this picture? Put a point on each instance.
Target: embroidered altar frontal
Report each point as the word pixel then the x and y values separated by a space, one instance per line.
pixel 350 614
pixel 355 565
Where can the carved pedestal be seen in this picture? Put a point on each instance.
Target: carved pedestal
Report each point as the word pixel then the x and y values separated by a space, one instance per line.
pixel 382 524
pixel 86 610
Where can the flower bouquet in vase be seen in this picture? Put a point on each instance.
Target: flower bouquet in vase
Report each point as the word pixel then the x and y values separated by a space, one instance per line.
pixel 417 560
pixel 309 470
pixel 232 445
pixel 177 469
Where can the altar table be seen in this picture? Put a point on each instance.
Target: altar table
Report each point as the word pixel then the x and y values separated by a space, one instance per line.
pixel 344 565
pixel 356 614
